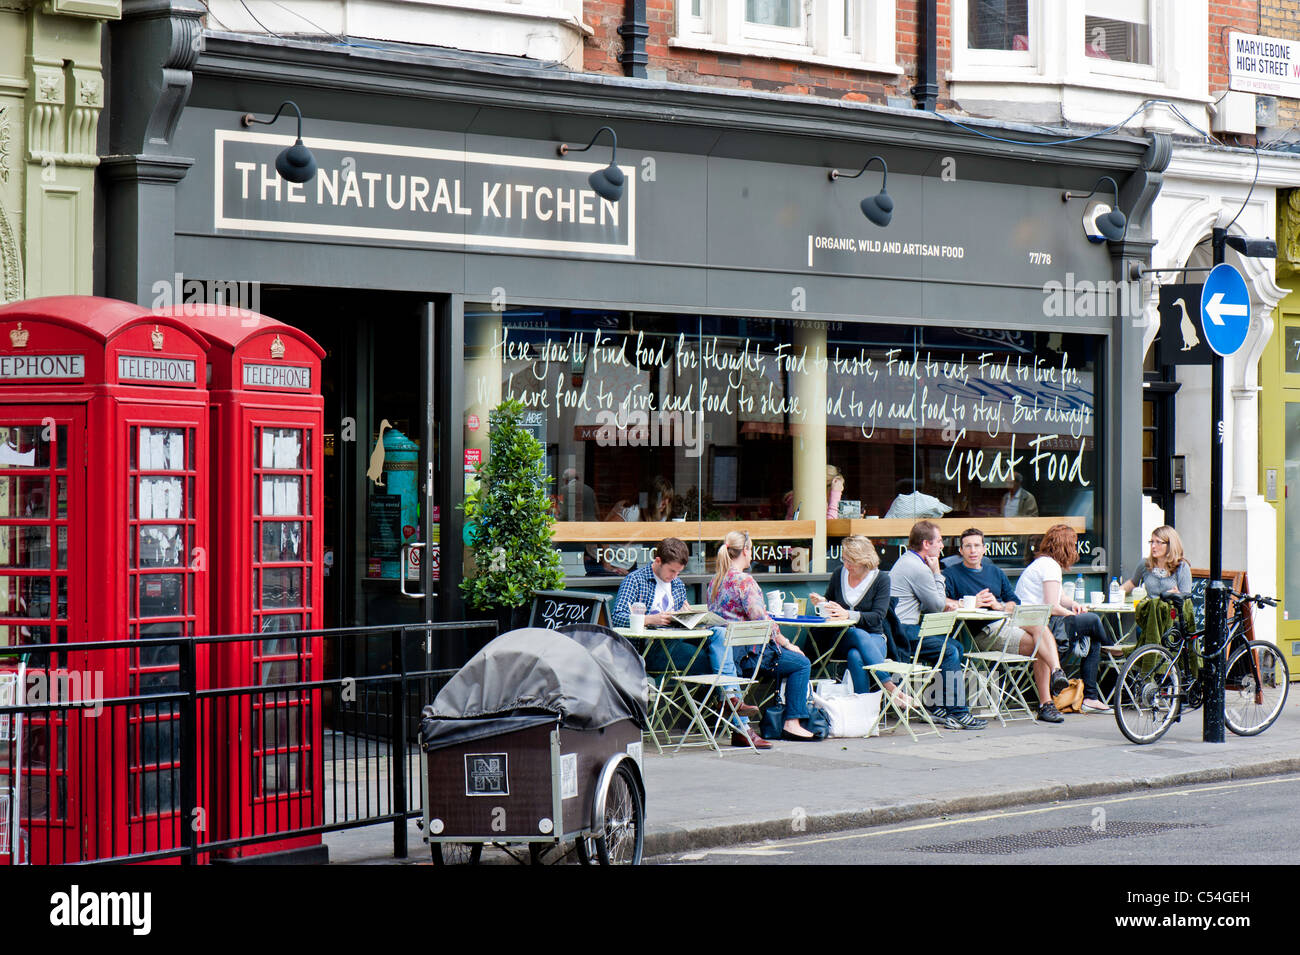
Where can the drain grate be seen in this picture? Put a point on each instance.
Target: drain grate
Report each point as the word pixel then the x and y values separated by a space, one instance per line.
pixel 1054 838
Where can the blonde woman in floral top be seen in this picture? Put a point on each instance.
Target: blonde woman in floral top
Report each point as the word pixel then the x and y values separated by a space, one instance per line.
pixel 735 595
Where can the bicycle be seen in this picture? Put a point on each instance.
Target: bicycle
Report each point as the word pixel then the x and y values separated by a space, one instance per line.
pixel 1150 694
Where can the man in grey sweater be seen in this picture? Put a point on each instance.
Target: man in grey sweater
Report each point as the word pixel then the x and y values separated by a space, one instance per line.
pixel 915 579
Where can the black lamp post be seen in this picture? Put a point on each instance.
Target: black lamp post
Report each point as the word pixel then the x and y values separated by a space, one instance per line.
pixel 295 163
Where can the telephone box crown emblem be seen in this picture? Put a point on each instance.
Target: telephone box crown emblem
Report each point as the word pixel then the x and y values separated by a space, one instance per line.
pixel 277 348
pixel 18 336
pixel 157 337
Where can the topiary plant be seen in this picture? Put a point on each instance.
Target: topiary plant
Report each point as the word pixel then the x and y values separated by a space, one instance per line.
pixel 510 514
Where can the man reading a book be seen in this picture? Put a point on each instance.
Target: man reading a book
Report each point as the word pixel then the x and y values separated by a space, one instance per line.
pixel 658 588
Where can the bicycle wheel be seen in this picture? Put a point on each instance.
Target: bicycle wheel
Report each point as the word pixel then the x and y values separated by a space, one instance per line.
pixel 456 853
pixel 1255 688
pixel 623 835
pixel 1148 694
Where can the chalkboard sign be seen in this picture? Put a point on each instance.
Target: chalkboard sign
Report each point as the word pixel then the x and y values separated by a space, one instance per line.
pixel 384 528
pixel 559 609
pixel 1233 579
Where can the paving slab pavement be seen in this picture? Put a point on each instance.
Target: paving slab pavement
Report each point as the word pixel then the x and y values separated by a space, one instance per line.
pixel 697 800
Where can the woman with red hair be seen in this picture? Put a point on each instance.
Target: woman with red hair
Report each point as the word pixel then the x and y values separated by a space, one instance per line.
pixel 1085 633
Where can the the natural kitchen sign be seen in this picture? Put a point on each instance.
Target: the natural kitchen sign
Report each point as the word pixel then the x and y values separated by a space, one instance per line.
pixel 397 193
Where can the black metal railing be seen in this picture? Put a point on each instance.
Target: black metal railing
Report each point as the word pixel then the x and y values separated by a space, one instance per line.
pixel 232 747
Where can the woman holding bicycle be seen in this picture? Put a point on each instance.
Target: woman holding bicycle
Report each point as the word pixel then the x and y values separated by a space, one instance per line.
pixel 1165 573
pixel 1041 584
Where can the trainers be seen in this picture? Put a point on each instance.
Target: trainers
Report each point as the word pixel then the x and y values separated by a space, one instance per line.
pixel 941 717
pixel 968 722
pixel 1060 683
pixel 1048 712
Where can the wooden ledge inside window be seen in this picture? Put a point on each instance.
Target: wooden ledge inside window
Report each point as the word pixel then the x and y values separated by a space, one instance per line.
pixel 607 532
pixel 950 526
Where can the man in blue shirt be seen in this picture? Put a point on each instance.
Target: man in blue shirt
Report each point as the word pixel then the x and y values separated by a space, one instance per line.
pixel 660 590
pixel 973 576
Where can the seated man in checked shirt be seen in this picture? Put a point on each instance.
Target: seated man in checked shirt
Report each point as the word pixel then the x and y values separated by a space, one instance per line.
pixel 658 588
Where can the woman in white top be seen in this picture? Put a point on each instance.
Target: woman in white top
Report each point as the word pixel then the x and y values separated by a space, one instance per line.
pixel 1041 584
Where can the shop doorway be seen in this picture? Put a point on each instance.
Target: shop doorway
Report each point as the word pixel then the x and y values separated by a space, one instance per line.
pixel 378 450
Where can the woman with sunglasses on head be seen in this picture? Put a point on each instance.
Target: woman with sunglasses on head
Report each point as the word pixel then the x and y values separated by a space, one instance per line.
pixel 735 595
pixel 1165 573
pixel 1086 634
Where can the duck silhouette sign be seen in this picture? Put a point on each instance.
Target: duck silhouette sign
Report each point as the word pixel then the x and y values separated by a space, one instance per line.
pixel 1181 341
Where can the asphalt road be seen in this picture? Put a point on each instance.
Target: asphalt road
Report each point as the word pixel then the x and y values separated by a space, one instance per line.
pixel 1235 823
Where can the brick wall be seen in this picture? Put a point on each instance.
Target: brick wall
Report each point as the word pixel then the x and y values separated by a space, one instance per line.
pixel 1227 15
pixel 776 75
pixel 1281 18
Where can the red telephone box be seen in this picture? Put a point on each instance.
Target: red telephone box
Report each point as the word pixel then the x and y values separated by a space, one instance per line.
pixel 103 509
pixel 267 417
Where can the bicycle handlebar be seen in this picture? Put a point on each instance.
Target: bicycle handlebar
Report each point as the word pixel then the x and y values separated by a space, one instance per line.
pixel 1258 599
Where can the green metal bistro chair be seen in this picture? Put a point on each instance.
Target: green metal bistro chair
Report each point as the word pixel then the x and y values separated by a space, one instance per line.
pixel 1003 677
pixel 914 676
pixel 709 717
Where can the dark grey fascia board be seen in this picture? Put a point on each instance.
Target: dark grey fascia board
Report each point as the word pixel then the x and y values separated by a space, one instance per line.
pixel 461 94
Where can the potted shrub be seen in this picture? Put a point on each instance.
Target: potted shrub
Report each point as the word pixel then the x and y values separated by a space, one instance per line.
pixel 508 520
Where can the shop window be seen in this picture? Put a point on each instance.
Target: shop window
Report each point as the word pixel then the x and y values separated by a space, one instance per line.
pixel 858 34
pixel 702 421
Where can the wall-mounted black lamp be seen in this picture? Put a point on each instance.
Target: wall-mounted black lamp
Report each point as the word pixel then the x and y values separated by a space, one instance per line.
pixel 878 208
pixel 1100 221
pixel 295 163
pixel 608 182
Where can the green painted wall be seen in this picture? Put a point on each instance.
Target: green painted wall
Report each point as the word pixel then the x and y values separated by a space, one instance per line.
pixel 51 97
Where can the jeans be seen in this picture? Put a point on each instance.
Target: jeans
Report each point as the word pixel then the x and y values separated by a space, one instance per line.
pixel 794 668
pixel 865 649
pixel 1090 625
pixel 952 688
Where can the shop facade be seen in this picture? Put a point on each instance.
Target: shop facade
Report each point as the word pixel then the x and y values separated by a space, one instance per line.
pixel 694 354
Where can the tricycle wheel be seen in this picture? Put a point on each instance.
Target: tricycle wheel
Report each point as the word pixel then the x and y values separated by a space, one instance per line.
pixel 456 853
pixel 622 835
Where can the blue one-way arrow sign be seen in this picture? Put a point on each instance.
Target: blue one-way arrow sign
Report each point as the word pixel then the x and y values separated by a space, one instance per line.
pixel 1225 309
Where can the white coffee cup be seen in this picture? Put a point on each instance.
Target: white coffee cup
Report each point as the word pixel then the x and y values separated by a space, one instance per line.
pixel 1098 597
pixel 636 621
pixel 822 609
pixel 775 599
pixel 791 609
pixel 968 602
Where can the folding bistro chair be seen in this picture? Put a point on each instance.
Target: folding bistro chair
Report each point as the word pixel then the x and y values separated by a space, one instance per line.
pixel 915 676
pixel 708 715
pixel 1003 676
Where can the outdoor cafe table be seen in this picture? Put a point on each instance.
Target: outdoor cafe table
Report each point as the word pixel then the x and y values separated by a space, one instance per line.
pixel 666 703
pixel 978 617
pixel 1112 616
pixel 824 638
